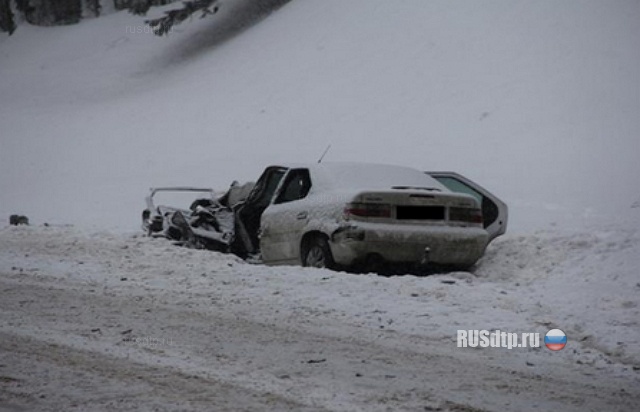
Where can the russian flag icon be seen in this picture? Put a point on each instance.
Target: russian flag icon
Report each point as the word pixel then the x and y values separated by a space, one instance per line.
pixel 555 339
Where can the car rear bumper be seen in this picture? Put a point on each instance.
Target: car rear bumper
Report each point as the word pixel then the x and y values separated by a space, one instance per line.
pixel 444 245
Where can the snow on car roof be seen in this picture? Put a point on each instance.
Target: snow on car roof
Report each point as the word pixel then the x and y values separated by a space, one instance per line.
pixel 368 176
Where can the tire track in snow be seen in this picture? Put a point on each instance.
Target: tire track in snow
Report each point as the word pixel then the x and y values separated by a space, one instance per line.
pixel 282 366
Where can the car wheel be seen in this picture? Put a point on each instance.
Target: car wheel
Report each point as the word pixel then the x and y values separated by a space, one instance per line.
pixel 318 254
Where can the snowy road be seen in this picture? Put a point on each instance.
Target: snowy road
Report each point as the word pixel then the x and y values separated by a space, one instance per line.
pixel 114 322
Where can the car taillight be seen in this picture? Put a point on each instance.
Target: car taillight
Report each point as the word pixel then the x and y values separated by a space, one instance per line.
pixel 465 214
pixel 367 210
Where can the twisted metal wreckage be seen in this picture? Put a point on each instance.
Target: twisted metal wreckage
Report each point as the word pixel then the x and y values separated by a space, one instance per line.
pixel 209 223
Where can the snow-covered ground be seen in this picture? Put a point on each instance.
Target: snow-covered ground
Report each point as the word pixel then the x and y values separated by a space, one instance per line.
pixel 536 100
pixel 103 321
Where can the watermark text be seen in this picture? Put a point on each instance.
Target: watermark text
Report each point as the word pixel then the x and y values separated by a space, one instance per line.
pixel 475 338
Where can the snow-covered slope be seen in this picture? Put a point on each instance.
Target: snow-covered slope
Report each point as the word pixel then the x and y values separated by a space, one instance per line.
pixel 538 101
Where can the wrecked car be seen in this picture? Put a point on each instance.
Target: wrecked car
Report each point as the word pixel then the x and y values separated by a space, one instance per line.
pixel 344 216
pixel 207 223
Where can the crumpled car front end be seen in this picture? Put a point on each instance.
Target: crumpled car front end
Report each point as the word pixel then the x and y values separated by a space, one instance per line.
pixel 207 224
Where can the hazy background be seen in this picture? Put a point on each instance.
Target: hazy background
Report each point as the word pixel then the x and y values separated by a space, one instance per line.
pixel 539 101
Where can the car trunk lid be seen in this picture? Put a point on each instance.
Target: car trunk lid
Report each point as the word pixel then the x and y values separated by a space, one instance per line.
pixel 404 205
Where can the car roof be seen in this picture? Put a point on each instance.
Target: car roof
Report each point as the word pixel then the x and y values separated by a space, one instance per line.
pixel 367 176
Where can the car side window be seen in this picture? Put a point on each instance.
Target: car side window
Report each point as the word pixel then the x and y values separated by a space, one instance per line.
pixel 296 186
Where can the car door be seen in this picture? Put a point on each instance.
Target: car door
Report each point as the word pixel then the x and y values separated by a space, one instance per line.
pixel 249 213
pixel 494 211
pixel 286 218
